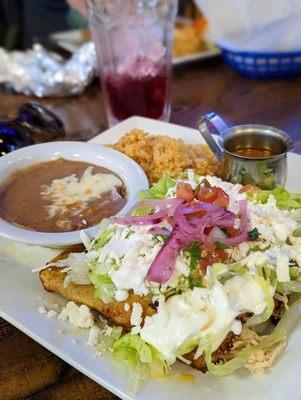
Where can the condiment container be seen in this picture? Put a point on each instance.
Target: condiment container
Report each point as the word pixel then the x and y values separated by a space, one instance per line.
pixel 250 154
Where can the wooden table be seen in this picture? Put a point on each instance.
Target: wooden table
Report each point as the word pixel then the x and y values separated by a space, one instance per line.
pixel 27 370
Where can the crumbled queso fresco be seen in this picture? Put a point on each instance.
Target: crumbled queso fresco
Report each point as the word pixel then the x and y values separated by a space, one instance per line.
pixel 136 317
pixel 81 317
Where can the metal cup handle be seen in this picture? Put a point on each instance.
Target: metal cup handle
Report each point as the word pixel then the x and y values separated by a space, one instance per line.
pixel 209 124
pixel 289 144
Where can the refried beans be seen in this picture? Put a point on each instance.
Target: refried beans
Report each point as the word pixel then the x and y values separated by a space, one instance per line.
pixel 61 196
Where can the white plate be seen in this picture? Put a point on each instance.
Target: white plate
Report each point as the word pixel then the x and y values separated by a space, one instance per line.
pixel 19 302
pixel 72 40
pixel 69 40
pixel 202 55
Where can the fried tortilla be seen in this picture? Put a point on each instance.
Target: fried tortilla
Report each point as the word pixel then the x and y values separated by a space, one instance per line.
pixel 53 281
pixel 53 278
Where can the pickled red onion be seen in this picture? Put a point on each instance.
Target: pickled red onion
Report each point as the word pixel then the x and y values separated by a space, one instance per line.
pixel 187 231
pixel 166 208
pixel 156 230
pixel 163 204
pixel 163 265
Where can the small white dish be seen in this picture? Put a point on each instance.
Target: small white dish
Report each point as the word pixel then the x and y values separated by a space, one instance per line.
pixel 128 170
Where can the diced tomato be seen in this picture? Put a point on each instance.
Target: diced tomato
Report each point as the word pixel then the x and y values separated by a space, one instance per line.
pixel 184 191
pixel 231 232
pixel 211 255
pixel 198 214
pixel 208 230
pixel 222 254
pixel 202 185
pixel 222 198
pixel 207 194
pixel 170 220
pixel 203 264
pixel 248 187
pixel 205 183
pixel 207 249
pixel 213 195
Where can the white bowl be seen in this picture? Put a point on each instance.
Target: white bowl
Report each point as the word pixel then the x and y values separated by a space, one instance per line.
pixel 128 170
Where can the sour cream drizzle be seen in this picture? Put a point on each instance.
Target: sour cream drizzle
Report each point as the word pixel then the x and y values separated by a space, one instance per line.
pixel 78 192
pixel 200 312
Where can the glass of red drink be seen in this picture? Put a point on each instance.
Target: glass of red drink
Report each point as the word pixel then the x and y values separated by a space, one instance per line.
pixel 133 40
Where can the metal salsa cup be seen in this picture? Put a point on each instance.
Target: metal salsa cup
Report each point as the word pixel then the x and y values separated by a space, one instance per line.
pixel 265 172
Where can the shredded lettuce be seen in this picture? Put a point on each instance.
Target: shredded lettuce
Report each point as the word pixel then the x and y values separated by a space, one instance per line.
pixel 158 190
pixel 141 212
pixel 289 287
pixel 106 340
pixel 297 232
pixel 295 273
pixel 238 269
pixel 266 287
pixel 283 328
pixel 140 360
pixel 183 285
pixel 103 239
pixel 104 287
pixel 295 214
pixel 221 272
pixel 187 346
pixel 204 342
pixel 284 198
pixel 211 340
pixel 268 273
pixel 214 272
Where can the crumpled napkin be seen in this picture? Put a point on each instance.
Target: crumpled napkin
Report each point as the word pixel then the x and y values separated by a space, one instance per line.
pixel 254 25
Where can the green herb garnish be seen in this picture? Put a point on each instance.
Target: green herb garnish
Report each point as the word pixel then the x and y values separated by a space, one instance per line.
pixel 194 282
pixel 254 234
pixel 222 246
pixel 195 254
pixel 162 237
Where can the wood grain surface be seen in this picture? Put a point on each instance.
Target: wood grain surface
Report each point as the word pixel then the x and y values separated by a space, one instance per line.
pixel 27 370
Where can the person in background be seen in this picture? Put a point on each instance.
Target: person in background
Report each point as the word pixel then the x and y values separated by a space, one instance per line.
pixel 10 24
pixel 22 21
pixel 43 17
pixel 79 6
pixel 187 9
